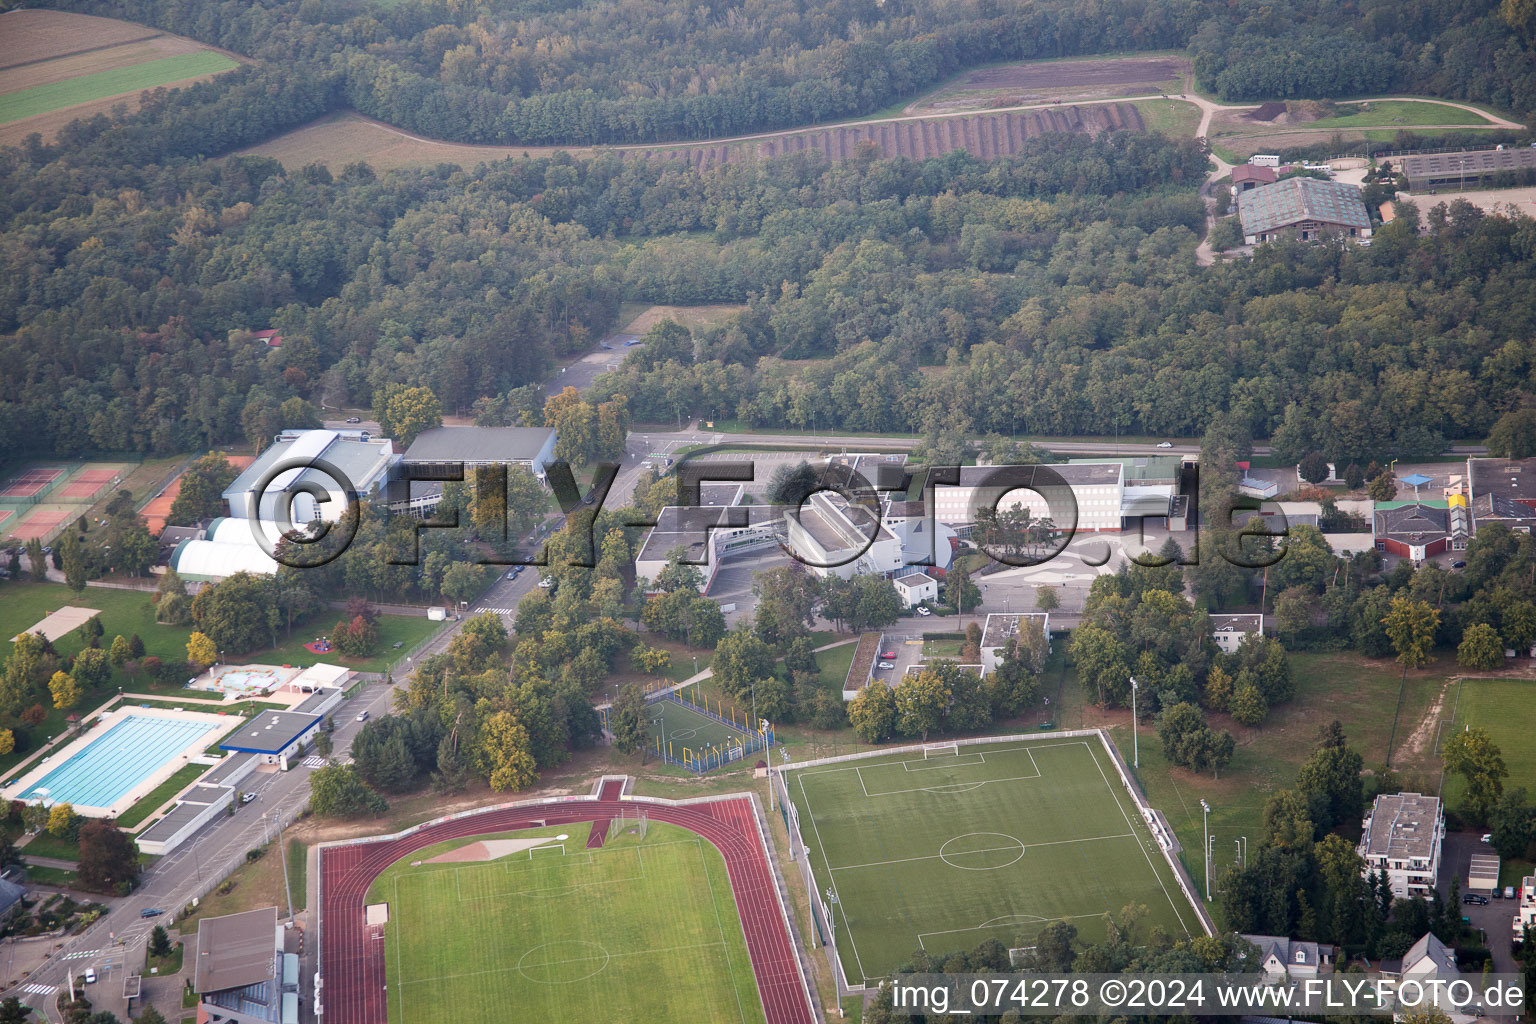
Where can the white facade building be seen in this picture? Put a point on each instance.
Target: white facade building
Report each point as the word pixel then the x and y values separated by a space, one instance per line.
pixel 835 537
pixel 1403 837
pixel 915 588
pixel 1229 631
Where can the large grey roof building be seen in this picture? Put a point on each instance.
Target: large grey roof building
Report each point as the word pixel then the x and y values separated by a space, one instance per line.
pixel 530 447
pixel 1304 208
pixel 1468 167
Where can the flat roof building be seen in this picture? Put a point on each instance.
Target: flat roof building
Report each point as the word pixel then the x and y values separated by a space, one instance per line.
pixel 1402 837
pixel 1502 491
pixel 1003 627
pixel 238 976
pixel 1302 208
pixel 276 736
pixel 533 448
pixel 1468 167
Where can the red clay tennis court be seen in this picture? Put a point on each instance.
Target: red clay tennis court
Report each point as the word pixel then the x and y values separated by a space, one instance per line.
pixel 41 522
pixel 90 482
pixel 5 514
pixel 29 483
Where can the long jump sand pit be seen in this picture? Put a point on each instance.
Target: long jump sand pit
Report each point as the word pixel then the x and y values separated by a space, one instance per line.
pixel 62 622
pixel 492 849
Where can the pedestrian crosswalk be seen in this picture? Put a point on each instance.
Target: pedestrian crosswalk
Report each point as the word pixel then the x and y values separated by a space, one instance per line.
pixel 501 611
pixel 313 762
pixel 81 954
pixel 39 990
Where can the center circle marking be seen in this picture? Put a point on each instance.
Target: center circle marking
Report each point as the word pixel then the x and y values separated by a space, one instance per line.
pixel 1000 845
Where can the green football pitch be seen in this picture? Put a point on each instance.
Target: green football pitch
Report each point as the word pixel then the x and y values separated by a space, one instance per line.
pixel 644 929
pixel 676 727
pixel 991 842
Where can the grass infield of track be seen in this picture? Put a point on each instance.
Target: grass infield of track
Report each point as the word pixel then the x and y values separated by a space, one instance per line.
pixel 642 930
pixel 995 842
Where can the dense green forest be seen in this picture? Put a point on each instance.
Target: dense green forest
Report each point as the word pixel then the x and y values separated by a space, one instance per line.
pixel 534 71
pixel 1053 292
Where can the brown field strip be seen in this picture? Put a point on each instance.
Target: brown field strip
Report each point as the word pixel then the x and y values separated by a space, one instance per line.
pixel 108 58
pixel 34 36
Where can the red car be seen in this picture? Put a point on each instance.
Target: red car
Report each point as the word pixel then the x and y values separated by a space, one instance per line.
pixel 888 655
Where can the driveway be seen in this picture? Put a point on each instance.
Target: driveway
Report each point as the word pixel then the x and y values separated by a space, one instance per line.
pixel 1497 917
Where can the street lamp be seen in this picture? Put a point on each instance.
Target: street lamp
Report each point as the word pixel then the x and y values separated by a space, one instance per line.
pixel 1206 809
pixel 1135 735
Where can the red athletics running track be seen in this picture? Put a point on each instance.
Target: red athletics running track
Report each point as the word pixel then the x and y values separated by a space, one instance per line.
pixel 352 964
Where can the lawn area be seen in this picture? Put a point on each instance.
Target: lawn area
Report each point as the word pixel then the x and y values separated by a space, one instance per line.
pixel 1506 708
pixel 50 876
pixel 1397 114
pixel 146 806
pixel 46 844
pixel 41 99
pixel 833 666
pixel 643 930
pixel 1362 694
pixel 1174 118
pixel 165 965
pixel 23 605
pixel 298 868
pixel 992 842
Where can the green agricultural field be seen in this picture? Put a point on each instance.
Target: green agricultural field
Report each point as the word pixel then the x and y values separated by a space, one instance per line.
pixel 993 842
pixel 40 99
pixel 643 930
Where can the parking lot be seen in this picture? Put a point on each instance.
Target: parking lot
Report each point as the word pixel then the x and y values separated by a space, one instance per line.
pixel 1495 919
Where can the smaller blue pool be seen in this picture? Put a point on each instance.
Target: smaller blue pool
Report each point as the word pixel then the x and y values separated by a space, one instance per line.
pixel 116 761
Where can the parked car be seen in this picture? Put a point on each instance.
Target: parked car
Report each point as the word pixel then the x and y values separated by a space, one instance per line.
pixel 354 419
pixel 362 716
pixel 1498 893
pixel 888 655
pixel 1473 899
pixel 632 342
pixel 511 575
pixel 151 912
pixel 1488 838
pixel 1165 444
pixel 887 665
pixel 246 798
pixel 923 611
pixel 90 975
pixel 517 570
pixel 1458 564
pixel 1509 892
pixel 546 582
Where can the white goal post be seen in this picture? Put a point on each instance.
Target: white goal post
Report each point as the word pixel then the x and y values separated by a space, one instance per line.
pixel 940 750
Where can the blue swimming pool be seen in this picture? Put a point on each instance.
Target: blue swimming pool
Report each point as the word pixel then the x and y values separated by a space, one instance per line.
pixel 116 761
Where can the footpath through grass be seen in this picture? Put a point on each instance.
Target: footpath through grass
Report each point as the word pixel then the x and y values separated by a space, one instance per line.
pixel 41 99
pixel 644 930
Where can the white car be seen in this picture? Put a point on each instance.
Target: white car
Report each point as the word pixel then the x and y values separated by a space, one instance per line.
pixel 1165 444
pixel 923 611
pixel 887 665
pixel 546 582
pixel 362 716
pixel 1488 838
pixel 90 975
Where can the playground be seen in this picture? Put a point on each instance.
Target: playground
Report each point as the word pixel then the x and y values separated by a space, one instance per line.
pixel 243 680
